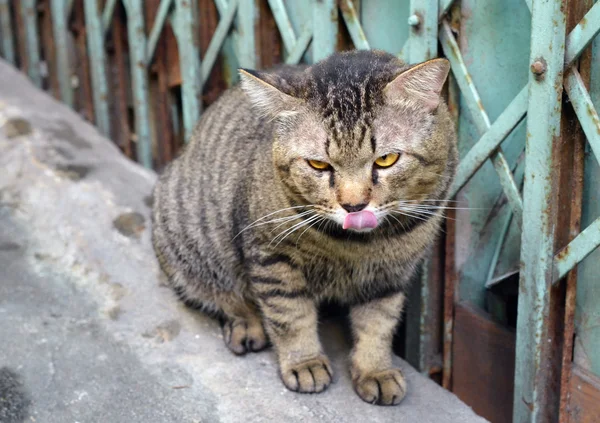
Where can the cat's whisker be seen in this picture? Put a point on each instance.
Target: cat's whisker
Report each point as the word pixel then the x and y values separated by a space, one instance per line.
pixel 298 216
pixel 292 229
pixel 310 226
pixel 426 212
pixel 251 225
pixel 407 214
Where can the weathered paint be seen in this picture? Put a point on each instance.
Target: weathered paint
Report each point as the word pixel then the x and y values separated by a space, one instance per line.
pixel 157 27
pixel 353 24
pixel 499 75
pixel 63 64
pixel 325 28
pixel 28 11
pixel 97 54
pixel 534 400
pixel 189 60
pixel 139 78
pixel 584 108
pixel 216 43
pixel 587 315
pixel 583 34
pixel 6 32
pixel 246 23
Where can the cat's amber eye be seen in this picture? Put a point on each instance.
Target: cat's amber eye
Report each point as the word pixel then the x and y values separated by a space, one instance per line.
pixel 387 160
pixel 319 165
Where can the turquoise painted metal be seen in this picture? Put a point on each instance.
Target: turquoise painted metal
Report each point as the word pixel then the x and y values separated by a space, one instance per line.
pixel 325 28
pixel 29 16
pixel 532 402
pixel 509 98
pixel 189 59
pixel 60 33
pixel 139 76
pixel 6 32
pixel 97 54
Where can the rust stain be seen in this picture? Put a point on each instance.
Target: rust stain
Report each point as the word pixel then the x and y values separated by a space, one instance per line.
pixel 563 253
pixel 594 116
pixel 538 68
pixel 480 105
pixel 583 23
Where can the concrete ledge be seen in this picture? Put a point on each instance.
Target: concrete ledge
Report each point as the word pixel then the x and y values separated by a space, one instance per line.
pixel 85 322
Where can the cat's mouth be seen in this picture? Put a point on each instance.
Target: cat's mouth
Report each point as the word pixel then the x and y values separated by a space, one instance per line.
pixel 363 220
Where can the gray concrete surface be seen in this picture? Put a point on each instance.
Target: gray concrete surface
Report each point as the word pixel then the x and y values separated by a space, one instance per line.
pixel 86 325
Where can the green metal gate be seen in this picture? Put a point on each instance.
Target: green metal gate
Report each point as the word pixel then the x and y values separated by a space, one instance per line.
pixel 525 76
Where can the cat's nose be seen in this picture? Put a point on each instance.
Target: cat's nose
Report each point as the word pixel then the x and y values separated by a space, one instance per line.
pixel 353 208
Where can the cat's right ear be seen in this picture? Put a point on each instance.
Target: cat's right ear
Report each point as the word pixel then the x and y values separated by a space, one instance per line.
pixel 265 95
pixel 419 86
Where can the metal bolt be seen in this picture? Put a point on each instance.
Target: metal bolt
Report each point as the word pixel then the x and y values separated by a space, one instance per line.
pixel 538 68
pixel 414 20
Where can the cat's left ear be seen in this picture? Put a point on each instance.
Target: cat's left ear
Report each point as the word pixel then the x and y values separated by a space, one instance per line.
pixel 266 93
pixel 420 85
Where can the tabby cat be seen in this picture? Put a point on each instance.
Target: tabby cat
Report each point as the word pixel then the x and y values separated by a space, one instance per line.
pixel 310 184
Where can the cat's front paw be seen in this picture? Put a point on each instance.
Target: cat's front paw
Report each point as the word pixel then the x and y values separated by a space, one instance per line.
pixel 242 336
pixel 387 387
pixel 310 376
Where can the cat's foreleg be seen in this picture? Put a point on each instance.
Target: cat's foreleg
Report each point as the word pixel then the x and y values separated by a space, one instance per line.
pixel 290 318
pixel 373 326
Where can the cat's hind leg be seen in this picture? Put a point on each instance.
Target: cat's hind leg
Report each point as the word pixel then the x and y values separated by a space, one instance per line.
pixel 242 324
pixel 240 319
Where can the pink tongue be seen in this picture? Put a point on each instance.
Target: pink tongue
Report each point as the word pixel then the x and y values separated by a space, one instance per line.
pixel 360 220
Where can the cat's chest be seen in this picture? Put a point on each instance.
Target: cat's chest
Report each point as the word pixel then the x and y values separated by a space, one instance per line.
pixel 338 278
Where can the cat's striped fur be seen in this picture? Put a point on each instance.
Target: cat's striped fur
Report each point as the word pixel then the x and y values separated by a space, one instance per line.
pixel 245 228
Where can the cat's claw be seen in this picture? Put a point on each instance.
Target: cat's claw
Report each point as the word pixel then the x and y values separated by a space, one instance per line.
pixel 241 337
pixel 386 387
pixel 310 376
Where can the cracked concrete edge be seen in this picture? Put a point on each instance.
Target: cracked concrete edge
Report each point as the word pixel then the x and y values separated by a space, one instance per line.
pixel 71 223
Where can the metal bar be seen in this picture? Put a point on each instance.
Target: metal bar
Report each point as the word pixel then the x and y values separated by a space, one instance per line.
pixel 444 6
pixel 578 249
pixel 189 60
pixel 246 24
pixel 157 27
pixel 584 108
pixel 217 40
pixel 120 87
pixel 534 396
pixel 283 24
pixel 463 78
pixel 70 7
pixel 423 40
pixel 300 46
pixel 489 142
pixel 63 67
pixel 480 117
pixel 498 249
pixel 404 51
pixel 423 35
pixel 95 45
pixel 139 78
pixel 325 28
pixel 8 48
pixel 29 16
pixel 107 14
pixel 508 183
pixel 582 35
pixel 353 25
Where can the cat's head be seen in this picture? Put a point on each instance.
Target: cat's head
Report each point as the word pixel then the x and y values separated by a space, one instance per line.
pixel 358 134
